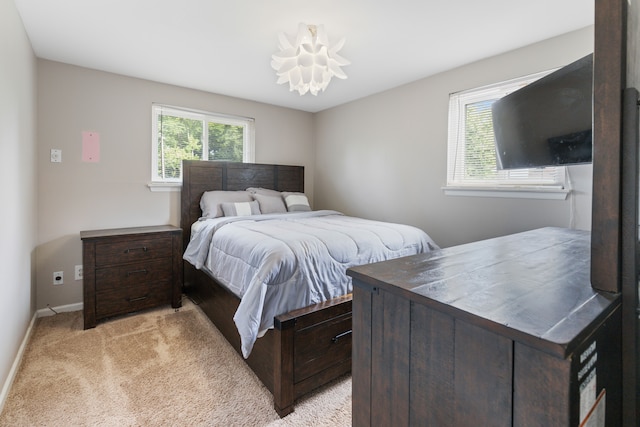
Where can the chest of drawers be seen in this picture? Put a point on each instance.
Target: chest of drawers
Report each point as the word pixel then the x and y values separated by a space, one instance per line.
pixel 130 269
pixel 500 332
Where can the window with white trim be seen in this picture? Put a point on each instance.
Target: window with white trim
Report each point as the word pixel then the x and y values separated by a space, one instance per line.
pixel 471 157
pixel 181 134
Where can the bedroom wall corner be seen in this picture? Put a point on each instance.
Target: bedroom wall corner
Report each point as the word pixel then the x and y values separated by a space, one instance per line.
pixel 19 177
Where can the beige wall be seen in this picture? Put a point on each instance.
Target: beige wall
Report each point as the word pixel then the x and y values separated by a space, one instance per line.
pixel 384 156
pixel 75 196
pixel 18 224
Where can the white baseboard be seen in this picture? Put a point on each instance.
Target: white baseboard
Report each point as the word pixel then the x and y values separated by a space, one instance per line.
pixel 50 311
pixel 16 363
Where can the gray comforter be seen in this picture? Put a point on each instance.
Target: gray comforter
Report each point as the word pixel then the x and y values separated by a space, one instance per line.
pixel 279 262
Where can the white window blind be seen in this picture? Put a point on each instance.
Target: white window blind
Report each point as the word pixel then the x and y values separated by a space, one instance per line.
pixel 471 157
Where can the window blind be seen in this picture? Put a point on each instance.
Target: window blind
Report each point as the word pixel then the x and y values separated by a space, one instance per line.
pixel 471 158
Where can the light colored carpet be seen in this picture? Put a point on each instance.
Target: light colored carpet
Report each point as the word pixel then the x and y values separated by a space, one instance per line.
pixel 155 368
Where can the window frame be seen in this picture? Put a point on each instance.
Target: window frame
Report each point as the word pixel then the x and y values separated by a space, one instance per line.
pixel 159 183
pixel 507 183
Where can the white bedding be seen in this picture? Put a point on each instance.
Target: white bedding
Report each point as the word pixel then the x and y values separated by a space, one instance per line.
pixel 279 262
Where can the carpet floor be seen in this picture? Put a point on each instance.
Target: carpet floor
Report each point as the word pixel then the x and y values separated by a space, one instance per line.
pixel 155 368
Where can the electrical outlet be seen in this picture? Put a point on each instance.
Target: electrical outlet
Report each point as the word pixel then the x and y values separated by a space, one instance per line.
pixel 78 272
pixel 58 277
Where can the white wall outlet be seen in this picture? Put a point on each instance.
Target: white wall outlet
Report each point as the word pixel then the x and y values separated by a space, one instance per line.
pixel 56 155
pixel 78 272
pixel 58 277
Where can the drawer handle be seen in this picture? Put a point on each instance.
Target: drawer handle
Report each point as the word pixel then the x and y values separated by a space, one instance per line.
pixel 137 299
pixel 337 337
pixel 144 270
pixel 143 249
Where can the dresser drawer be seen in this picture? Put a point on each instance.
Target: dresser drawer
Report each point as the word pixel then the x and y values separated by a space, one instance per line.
pixel 132 250
pixel 323 345
pixel 131 275
pixel 130 299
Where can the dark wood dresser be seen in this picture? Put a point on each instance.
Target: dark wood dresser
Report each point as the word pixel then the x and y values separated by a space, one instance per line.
pixel 501 332
pixel 130 269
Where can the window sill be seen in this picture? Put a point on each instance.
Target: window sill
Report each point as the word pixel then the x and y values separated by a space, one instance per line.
pixel 164 186
pixel 508 192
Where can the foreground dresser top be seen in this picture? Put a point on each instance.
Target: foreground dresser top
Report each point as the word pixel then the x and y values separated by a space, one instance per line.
pixel 533 287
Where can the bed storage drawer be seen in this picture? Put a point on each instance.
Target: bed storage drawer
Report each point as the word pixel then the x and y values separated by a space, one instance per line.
pixel 320 346
pixel 313 347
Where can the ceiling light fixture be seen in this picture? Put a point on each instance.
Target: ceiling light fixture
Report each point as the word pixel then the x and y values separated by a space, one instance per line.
pixel 309 63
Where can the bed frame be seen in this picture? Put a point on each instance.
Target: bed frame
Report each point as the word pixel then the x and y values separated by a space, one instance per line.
pixel 308 347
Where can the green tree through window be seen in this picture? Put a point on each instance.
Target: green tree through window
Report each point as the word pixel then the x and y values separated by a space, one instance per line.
pixel 178 138
pixel 480 154
pixel 225 142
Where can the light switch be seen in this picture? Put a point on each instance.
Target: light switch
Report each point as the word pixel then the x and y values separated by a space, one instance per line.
pixel 56 155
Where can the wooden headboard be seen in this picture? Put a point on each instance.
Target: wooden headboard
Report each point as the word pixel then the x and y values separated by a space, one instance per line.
pixel 200 176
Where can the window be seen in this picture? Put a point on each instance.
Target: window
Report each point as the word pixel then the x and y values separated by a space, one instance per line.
pixel 181 134
pixel 471 157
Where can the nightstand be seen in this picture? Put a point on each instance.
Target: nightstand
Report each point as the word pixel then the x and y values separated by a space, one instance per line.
pixel 130 269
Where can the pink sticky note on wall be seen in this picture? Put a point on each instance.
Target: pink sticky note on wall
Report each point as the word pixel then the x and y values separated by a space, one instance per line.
pixel 90 147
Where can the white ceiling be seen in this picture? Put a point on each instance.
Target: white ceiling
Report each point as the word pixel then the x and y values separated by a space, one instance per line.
pixel 225 46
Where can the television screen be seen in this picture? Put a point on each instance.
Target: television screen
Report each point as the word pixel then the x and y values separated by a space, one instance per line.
pixel 548 122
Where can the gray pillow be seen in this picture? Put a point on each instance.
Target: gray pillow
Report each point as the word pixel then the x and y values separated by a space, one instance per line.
pixel 270 204
pixel 211 200
pixel 240 208
pixel 296 202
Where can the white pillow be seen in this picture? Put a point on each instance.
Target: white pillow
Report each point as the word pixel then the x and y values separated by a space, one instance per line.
pixel 296 202
pixel 240 208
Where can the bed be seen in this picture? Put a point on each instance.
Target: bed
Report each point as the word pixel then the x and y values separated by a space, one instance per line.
pixel 303 347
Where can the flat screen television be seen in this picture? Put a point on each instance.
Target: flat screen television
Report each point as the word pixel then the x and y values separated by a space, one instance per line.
pixel 548 122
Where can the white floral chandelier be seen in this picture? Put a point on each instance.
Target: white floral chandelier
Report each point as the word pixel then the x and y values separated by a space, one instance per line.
pixel 309 63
